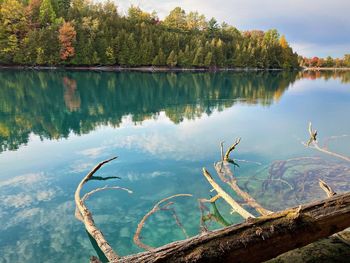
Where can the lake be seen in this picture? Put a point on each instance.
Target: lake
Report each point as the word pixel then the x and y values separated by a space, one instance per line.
pixel 164 127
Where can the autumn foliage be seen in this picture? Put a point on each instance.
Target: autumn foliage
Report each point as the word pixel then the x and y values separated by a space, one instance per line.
pixel 67 35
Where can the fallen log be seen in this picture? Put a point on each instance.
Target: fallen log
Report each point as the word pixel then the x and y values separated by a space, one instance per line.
pixel 258 239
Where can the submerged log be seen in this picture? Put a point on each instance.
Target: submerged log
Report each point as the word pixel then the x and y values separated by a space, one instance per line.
pixel 258 239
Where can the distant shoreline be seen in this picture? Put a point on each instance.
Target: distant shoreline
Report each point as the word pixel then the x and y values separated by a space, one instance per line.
pixel 139 69
pixel 323 69
pixel 160 69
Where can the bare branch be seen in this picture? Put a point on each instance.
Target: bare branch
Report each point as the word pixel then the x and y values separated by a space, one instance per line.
pixel 325 187
pixel 86 216
pixel 156 208
pixel 87 195
pixel 222 150
pixel 314 142
pixel 227 177
pixel 235 206
pixel 233 146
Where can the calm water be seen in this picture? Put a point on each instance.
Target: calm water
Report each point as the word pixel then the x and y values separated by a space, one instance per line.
pixel 55 126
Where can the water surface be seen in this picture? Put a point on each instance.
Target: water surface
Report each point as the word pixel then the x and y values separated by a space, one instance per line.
pixel 164 127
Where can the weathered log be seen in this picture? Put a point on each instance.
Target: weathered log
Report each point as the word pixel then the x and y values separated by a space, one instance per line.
pixel 258 239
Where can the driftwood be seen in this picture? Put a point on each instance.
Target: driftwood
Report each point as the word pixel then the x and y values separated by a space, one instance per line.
pixel 234 205
pixel 258 239
pixel 255 240
pixel 83 213
pixel 314 144
pixel 224 172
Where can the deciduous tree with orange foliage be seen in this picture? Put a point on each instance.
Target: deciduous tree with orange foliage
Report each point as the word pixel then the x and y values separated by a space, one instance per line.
pixel 67 37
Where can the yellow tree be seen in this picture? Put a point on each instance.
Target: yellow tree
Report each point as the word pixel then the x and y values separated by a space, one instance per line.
pixel 283 42
pixel 13 27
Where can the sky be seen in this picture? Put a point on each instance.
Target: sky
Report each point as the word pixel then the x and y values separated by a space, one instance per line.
pixel 312 27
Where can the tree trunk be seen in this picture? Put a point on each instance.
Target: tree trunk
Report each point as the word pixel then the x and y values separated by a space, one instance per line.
pixel 258 239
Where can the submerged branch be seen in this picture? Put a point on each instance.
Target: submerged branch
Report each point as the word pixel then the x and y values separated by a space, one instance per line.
pixel 156 208
pixel 86 216
pixel 325 187
pixel 234 205
pixel 315 145
pixel 259 239
pixel 226 176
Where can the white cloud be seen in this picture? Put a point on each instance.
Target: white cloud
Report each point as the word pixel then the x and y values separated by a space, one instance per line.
pixel 24 180
pixel 93 152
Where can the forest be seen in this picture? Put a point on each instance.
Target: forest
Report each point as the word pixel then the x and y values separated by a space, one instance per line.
pixel 84 33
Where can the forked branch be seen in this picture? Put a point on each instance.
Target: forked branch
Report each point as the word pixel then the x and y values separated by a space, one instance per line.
pixel 86 216
pixel 233 146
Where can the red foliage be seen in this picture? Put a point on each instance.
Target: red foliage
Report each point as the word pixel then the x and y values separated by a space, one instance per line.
pixel 66 37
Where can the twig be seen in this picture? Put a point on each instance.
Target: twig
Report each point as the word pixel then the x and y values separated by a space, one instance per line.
pixel 233 146
pixel 87 195
pixel 235 206
pixel 325 187
pixel 222 150
pixel 88 219
pixel 155 208
pixel 178 222
pixel 315 145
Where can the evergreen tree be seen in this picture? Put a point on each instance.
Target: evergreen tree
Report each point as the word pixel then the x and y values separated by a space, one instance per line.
pixel 172 59
pixel 46 13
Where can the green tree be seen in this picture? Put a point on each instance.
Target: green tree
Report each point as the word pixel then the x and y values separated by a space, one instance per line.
pixel 176 18
pixel 172 59
pixel 346 60
pixel 213 27
pixel 13 27
pixel 110 56
pixel 208 59
pixel 46 13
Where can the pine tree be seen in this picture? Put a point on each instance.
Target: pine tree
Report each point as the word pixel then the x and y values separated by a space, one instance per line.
pixel 110 56
pixel 198 58
pixel 46 13
pixel 208 59
pixel 172 59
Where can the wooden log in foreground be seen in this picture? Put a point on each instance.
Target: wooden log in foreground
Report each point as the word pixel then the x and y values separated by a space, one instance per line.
pixel 258 239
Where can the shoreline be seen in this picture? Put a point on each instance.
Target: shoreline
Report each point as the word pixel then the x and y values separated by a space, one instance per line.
pixel 138 69
pixel 161 69
pixel 325 69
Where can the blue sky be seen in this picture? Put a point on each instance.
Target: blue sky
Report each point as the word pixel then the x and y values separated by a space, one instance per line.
pixel 312 27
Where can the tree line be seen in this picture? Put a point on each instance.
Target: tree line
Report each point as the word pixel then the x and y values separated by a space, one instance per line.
pixel 80 32
pixel 327 62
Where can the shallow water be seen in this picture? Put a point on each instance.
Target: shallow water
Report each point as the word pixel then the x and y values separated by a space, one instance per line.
pixel 164 127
